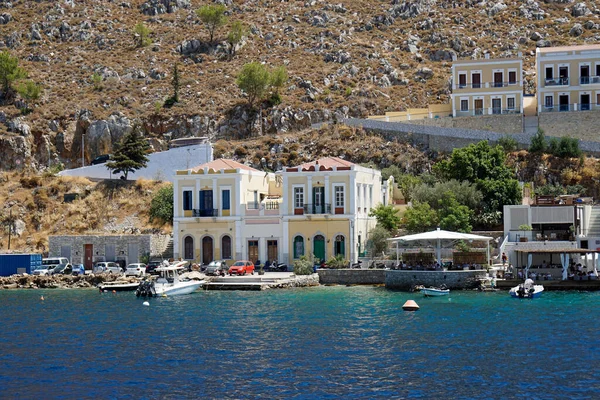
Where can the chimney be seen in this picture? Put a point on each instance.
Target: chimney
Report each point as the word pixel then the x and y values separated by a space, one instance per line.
pixel 487 56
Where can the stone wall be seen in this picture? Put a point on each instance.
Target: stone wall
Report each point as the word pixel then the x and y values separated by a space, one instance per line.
pixel 577 124
pixel 351 276
pixel 506 124
pixel 159 244
pixel 405 280
pixel 74 247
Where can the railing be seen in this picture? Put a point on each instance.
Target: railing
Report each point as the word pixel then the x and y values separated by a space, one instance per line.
pixel 271 205
pixel 493 84
pixel 588 80
pixel 252 205
pixel 571 107
pixel 317 209
pixel 563 81
pixel 488 111
pixel 207 212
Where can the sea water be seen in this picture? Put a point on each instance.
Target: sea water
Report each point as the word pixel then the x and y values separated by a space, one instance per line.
pixel 309 343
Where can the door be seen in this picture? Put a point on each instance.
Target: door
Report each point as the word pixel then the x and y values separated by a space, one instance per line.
pixel 585 102
pixel 563 74
pixel 207 250
pixel 496 106
pixel 319 248
pixel 272 254
pixel 479 107
pixel 476 81
pixel 318 199
pixel 253 251
pixel 206 203
pixel 584 74
pixel 88 256
pixel 563 102
pixel 498 79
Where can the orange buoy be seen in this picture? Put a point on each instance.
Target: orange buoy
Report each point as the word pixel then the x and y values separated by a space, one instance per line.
pixel 410 305
pixel 114 291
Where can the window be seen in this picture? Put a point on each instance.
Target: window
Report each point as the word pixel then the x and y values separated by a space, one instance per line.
pixel 462 80
pixel 298 246
pixel 226 198
pixel 187 200
pixel 512 77
pixel 206 199
pixel 549 73
pixel 464 105
pixel 226 248
pixel 188 248
pixel 597 69
pixel 496 106
pixel 339 196
pixel 498 78
pixel 549 101
pixel 339 246
pixel 510 103
pixel 298 197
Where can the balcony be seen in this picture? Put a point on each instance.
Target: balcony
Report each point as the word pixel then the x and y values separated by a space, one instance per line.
pixel 207 212
pixel 571 107
pixel 494 84
pixel 589 80
pixel 563 81
pixel 317 209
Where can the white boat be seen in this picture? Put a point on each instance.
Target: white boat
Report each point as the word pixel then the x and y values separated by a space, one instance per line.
pixel 118 287
pixel 435 292
pixel 527 290
pixel 168 283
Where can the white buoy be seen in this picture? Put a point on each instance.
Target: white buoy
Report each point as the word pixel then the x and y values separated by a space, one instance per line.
pixel 146 303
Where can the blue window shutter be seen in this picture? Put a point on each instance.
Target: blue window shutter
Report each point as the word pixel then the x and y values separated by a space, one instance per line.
pixel 202 193
pixel 226 200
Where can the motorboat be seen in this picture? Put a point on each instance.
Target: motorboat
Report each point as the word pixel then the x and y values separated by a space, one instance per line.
pixel 118 286
pixel 435 292
pixel 168 283
pixel 527 290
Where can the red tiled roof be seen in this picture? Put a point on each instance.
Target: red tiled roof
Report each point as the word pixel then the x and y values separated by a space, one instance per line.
pixel 222 163
pixel 326 163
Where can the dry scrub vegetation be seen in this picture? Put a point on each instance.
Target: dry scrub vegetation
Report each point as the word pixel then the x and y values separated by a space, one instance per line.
pixel 37 203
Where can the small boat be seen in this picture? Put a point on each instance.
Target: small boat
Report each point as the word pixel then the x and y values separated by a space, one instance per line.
pixel 118 287
pixel 435 292
pixel 168 283
pixel 527 290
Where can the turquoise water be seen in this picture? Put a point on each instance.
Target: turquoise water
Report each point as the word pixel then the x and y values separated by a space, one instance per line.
pixel 324 342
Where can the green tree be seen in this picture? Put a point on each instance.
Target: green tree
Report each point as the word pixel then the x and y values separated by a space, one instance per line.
pixel 465 193
pixel 141 35
pixel 420 218
pixel 161 206
pixel 377 242
pixel 508 143
pixel 10 72
pixel 254 80
pixel 454 216
pixel 213 17
pixel 538 142
pixel 29 91
pixel 130 154
pixel 565 147
pixel 279 77
pixel 387 216
pixel 407 184
pixel 176 85
pixel 237 32
pixel 97 81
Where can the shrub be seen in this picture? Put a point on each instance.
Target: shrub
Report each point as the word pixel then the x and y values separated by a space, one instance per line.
pixel 240 151
pixel 303 266
pixel 538 142
pixel 30 182
pixel 337 262
pixel 161 206
pixel 508 143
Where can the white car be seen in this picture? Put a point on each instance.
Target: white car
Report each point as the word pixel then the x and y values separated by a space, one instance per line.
pixel 136 269
pixel 50 264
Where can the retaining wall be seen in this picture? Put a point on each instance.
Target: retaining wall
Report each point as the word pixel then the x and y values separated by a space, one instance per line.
pixel 351 276
pixel 577 124
pixel 506 124
pixel 405 280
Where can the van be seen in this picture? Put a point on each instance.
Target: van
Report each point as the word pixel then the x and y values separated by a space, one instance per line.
pixel 54 265
pixel 107 267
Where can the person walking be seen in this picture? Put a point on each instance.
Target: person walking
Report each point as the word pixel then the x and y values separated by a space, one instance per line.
pixel 504 258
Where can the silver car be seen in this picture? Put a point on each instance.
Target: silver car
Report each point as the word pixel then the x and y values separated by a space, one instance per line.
pixel 107 267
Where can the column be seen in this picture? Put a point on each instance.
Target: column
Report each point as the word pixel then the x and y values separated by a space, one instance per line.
pixel 327 194
pixel 175 239
pixel 285 245
pixel 352 197
pixel 238 240
pixel 215 190
pixel 308 194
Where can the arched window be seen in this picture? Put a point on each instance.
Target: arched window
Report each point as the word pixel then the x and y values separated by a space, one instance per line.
pixel 188 248
pixel 339 245
pixel 226 248
pixel 298 246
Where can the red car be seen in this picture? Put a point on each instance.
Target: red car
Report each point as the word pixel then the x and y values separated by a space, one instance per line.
pixel 242 267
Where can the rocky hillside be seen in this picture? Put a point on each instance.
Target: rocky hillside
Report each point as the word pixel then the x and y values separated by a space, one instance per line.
pixel 344 58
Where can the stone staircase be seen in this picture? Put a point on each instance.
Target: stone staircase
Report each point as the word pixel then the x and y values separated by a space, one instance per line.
pixel 530 124
pixel 594 229
pixel 168 251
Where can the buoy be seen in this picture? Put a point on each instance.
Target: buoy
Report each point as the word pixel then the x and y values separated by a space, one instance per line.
pixel 114 291
pixel 146 303
pixel 410 305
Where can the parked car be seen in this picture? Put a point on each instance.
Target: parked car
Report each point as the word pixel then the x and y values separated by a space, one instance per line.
pixel 136 269
pixel 78 269
pixel 107 267
pixel 216 268
pixel 151 267
pixel 63 269
pixel 49 265
pixel 242 267
pixel 101 159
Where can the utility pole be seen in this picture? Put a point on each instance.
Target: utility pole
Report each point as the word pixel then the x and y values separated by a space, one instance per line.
pixel 83 149
pixel 10 226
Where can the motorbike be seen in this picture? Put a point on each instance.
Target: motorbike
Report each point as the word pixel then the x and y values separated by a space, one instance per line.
pixel 274 266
